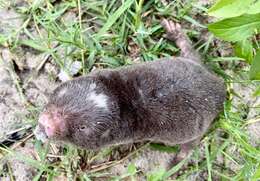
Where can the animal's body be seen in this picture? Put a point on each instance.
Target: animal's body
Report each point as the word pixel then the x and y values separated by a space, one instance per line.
pixel 171 100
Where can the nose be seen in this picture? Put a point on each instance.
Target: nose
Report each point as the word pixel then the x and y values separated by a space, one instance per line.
pixel 47 124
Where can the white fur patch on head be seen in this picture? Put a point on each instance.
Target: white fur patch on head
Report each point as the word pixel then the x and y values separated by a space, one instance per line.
pixel 92 86
pixel 100 100
pixel 62 92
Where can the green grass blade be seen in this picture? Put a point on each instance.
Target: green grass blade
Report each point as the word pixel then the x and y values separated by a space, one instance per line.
pixel 113 18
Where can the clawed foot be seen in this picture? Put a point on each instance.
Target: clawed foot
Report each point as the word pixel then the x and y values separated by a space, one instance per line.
pixel 186 150
pixel 179 157
pixel 176 160
pixel 174 33
pixel 172 29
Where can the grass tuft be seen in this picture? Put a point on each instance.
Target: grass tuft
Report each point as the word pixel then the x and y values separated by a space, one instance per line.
pixel 102 34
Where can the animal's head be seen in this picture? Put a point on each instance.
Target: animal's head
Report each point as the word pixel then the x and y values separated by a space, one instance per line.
pixel 78 111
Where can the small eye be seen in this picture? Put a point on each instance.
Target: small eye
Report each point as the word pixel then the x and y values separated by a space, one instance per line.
pixel 82 128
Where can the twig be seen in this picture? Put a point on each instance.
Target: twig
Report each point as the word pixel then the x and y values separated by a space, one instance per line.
pixel 22 141
pixel 19 129
pixel 252 121
pixel 103 166
pixel 10 172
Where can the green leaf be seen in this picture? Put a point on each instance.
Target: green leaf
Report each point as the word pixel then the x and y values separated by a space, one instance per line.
pixel 131 169
pixel 255 8
pixel 257 92
pixel 231 8
pixel 222 59
pixel 256 176
pixel 2 39
pixel 237 28
pixel 157 175
pixel 41 150
pixel 244 49
pixel 254 72
pixel 112 19
pixel 36 4
pixel 209 162
pixel 163 148
pixel 111 62
pixel 34 44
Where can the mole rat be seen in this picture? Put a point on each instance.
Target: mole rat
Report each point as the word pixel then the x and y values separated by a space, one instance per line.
pixel 170 101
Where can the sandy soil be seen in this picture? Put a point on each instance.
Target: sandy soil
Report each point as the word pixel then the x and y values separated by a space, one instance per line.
pixel 28 76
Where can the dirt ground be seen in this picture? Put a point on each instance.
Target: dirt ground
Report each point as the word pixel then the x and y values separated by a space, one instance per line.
pixel 26 79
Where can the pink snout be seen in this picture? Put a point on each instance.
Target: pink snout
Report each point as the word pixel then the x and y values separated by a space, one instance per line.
pixel 51 124
pixel 47 124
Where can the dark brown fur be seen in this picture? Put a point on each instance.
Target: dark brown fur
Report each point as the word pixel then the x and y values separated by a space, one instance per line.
pixel 171 100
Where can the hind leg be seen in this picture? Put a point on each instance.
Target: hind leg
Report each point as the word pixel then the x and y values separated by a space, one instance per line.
pixel 174 33
pixel 185 150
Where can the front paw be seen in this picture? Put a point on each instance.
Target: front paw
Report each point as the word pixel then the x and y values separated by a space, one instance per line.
pixel 173 30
